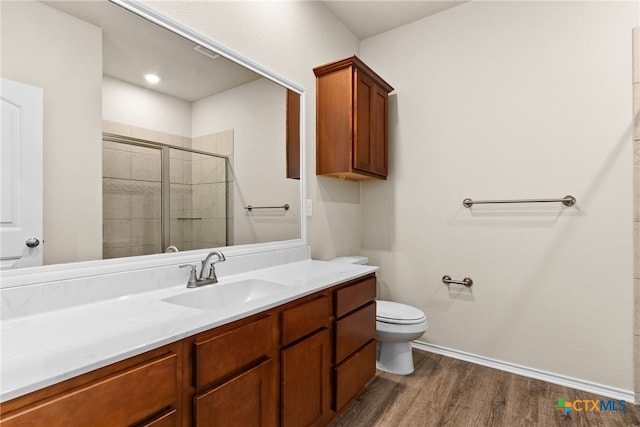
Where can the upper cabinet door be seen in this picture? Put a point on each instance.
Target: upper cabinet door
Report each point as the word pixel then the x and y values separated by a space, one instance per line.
pixel 293 134
pixel 352 121
pixel 370 139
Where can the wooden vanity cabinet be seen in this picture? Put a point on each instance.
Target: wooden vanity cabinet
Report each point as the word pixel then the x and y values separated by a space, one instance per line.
pixel 298 364
pixel 140 391
pixel 354 345
pixel 352 115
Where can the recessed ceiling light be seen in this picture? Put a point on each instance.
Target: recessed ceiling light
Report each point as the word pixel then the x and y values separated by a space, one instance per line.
pixel 152 78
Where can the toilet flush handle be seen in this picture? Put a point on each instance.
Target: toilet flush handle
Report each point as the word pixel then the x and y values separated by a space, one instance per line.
pixel 466 281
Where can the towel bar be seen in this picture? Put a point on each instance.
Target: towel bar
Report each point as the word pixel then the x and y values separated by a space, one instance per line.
pixel 566 200
pixel 250 208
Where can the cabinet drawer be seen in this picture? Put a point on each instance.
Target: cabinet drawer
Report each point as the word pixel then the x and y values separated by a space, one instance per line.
pixel 354 330
pixel 304 319
pixel 352 375
pixel 124 398
pixel 224 354
pixel 353 296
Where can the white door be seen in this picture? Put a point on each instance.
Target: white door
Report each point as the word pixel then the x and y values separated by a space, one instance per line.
pixel 21 243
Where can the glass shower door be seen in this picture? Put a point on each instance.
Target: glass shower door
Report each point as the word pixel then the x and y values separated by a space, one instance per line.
pixel 156 196
pixel 198 202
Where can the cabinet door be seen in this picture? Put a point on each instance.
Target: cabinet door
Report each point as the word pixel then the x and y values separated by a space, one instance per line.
pixel 168 418
pixel 243 401
pixel 379 132
pixel 306 381
pixel 370 138
pixel 293 134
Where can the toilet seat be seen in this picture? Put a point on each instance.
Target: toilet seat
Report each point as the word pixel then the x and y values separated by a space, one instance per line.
pixel 398 314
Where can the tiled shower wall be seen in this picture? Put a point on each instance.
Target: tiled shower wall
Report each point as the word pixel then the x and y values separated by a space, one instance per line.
pixel 131 197
pixel 132 193
pixel 636 213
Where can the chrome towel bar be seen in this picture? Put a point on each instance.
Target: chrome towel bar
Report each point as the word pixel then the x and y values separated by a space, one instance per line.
pixel 566 200
pixel 466 281
pixel 250 208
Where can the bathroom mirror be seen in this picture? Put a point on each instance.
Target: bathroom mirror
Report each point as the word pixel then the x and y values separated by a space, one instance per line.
pixel 132 168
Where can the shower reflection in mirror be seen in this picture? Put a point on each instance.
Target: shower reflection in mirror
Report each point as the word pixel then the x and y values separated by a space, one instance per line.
pixel 157 195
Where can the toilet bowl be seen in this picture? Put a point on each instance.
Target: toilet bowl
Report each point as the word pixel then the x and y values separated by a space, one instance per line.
pixel 396 326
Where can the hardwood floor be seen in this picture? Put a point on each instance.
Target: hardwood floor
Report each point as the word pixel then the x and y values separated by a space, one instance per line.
pixel 450 392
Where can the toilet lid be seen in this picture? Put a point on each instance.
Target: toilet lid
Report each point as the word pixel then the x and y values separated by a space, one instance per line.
pixel 394 312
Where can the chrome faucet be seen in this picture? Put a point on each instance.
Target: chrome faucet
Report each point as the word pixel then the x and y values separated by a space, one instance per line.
pixel 195 281
pixel 212 269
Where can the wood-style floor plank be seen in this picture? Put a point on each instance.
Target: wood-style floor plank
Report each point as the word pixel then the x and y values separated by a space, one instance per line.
pixel 448 392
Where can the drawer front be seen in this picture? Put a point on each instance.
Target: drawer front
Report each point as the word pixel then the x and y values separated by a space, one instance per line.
pixel 354 330
pixel 304 319
pixel 353 296
pixel 124 398
pixel 352 375
pixel 245 400
pixel 224 354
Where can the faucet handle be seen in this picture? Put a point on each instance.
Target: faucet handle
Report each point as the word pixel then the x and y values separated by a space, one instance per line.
pixel 192 282
pixel 212 272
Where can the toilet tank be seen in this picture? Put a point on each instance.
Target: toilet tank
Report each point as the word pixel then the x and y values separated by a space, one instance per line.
pixel 363 260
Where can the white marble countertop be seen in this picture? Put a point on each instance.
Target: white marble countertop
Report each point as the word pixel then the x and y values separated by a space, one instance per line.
pixel 48 347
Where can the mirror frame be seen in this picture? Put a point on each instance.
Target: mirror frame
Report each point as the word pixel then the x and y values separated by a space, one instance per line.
pixel 47 273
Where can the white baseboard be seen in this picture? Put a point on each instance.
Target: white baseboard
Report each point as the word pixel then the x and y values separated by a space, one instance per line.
pixel 603 390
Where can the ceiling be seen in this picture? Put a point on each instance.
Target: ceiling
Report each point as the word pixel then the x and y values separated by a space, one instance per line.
pixel 133 46
pixel 367 18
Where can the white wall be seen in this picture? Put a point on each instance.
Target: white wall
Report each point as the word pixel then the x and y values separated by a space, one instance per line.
pixel 493 99
pixel 63 55
pixel 256 113
pixel 512 100
pixel 123 102
pixel 289 38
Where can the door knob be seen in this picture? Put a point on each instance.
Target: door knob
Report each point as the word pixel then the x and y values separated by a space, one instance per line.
pixel 32 242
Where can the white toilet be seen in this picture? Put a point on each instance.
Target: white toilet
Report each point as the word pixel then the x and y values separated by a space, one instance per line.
pixel 396 326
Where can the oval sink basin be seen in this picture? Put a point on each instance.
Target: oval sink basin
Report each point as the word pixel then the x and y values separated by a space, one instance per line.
pixel 225 295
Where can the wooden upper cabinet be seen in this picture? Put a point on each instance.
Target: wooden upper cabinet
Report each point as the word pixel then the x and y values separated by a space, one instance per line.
pixel 293 134
pixel 351 121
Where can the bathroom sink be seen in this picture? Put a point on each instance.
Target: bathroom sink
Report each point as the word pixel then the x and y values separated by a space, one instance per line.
pixel 225 295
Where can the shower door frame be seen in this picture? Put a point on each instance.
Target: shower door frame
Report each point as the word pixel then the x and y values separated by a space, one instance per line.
pixel 165 181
